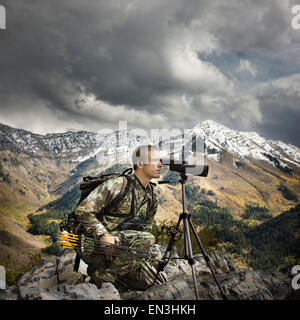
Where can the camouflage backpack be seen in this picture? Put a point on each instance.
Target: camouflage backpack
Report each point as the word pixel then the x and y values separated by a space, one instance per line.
pixel 90 184
pixel 71 225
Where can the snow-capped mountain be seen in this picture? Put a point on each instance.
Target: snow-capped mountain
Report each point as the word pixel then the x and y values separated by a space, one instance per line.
pixel 81 145
pixel 56 144
pixel 71 146
pixel 246 145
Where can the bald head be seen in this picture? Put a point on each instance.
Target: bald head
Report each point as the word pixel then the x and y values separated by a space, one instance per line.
pixel 144 154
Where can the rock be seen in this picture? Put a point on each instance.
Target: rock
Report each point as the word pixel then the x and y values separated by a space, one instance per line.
pixel 22 293
pixel 81 291
pixel 171 271
pixel 177 289
pixel 245 285
pixel 278 283
pixel 223 262
pixel 108 292
pixel 83 267
pixel 236 284
pixel 31 293
pixel 42 274
pixel 9 294
pixel 53 278
pixel 65 272
pixel 2 278
pixel 248 285
pixel 52 271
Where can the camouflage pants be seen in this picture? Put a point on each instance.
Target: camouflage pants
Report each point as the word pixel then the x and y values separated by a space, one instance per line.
pixel 124 273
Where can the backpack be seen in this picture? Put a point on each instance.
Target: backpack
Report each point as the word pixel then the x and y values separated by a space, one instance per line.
pixel 90 184
pixel 71 225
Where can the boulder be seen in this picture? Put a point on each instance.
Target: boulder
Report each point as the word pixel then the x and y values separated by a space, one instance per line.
pixel 245 285
pixel 42 274
pixel 81 291
pixel 65 272
pixel 176 289
pixel 53 278
pixel 51 271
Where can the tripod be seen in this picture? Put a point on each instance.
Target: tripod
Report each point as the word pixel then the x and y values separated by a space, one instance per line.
pixel 187 224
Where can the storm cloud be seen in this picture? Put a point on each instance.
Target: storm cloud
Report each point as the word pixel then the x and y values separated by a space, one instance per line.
pixel 157 64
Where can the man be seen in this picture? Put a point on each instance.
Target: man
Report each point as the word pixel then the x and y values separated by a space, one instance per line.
pixel 128 223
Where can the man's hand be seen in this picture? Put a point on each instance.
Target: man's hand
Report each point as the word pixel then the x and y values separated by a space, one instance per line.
pixel 107 241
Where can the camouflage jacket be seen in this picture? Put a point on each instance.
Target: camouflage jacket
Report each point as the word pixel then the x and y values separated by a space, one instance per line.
pixel 91 213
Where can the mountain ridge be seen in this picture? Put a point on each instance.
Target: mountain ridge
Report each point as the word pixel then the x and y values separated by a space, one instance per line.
pixel 248 143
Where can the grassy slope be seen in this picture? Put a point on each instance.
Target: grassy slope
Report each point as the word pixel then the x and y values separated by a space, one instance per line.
pixel 251 184
pixel 27 185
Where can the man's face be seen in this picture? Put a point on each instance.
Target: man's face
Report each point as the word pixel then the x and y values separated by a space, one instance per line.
pixel 153 167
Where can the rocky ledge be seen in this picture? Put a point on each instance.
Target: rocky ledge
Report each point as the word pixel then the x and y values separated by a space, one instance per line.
pixel 53 278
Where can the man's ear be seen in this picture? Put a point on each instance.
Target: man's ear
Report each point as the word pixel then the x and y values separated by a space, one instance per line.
pixel 139 164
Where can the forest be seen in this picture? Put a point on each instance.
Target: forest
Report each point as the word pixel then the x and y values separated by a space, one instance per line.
pixel 261 241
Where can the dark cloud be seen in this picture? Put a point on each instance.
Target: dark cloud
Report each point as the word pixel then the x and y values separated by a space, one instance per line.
pixel 280 106
pixel 273 129
pixel 160 64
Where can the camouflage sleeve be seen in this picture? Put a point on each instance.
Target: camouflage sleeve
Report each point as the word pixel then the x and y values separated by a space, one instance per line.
pixel 153 209
pixel 86 212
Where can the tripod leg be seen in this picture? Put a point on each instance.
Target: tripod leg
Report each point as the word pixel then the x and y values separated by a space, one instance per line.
pixel 206 258
pixel 189 254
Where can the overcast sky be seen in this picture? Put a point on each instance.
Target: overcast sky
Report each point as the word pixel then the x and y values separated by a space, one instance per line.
pixel 157 64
